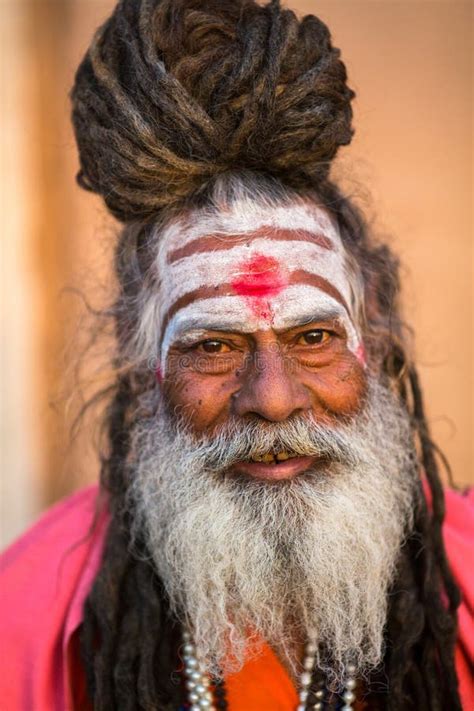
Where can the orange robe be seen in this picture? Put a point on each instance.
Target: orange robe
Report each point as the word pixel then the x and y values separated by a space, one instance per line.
pixel 263 684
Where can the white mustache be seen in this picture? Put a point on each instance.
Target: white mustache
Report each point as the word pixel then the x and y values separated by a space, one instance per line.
pixel 301 435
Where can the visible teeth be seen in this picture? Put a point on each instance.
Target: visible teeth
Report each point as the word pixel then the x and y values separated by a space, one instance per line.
pixel 270 458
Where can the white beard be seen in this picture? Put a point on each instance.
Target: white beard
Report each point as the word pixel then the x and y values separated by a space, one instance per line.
pixel 244 560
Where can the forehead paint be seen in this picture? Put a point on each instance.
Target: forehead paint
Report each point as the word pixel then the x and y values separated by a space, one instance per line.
pixel 228 268
pixel 299 276
pixel 259 276
pixel 224 267
pixel 208 242
pixel 246 217
pixel 258 279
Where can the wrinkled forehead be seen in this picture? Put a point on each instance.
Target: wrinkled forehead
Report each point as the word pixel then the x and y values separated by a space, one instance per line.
pixel 251 268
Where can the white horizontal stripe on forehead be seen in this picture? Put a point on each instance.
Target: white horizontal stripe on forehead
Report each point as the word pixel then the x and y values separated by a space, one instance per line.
pixel 246 217
pixel 205 269
pixel 293 304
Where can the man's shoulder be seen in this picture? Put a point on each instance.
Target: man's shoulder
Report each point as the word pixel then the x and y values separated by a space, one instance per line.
pixel 46 573
pixel 459 508
pixel 67 524
pixel 458 533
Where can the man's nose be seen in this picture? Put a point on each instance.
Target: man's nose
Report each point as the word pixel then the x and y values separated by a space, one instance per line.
pixel 270 388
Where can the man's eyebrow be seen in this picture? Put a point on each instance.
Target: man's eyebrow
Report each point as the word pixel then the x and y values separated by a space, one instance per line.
pixel 315 316
pixel 189 334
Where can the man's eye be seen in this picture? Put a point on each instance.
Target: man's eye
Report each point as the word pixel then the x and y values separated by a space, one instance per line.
pixel 211 346
pixel 314 338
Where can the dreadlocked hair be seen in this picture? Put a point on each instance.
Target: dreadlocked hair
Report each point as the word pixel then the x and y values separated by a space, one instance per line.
pixel 182 104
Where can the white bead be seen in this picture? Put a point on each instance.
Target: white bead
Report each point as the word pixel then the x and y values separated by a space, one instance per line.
pixel 310 648
pixel 305 679
pixel 350 684
pixel 308 663
pixel 350 669
pixel 193 697
pixel 346 707
pixel 189 649
pixel 191 663
pixel 318 706
pixel 195 707
pixel 186 636
pixel 348 697
pixel 301 707
pixel 200 689
pixel 319 693
pixel 190 684
pixel 195 676
pixel 303 695
pixel 204 703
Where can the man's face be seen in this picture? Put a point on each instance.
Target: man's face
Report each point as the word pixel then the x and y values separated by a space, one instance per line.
pixel 260 323
pixel 261 358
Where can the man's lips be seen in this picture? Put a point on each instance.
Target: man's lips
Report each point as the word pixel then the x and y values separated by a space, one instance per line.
pixel 275 472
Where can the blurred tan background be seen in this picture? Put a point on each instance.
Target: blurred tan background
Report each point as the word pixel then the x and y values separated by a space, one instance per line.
pixel 410 165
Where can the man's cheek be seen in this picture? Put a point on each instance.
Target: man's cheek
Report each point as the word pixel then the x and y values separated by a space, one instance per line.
pixel 340 388
pixel 201 400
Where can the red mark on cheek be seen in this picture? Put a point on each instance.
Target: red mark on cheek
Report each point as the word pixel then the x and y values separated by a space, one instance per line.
pixel 360 354
pixel 258 279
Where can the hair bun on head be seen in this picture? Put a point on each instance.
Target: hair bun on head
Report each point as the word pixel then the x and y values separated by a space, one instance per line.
pixel 173 92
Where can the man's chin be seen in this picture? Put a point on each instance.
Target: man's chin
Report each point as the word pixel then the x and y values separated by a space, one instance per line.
pixel 280 471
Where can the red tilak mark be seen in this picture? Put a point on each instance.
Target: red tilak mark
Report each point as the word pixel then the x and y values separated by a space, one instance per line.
pixel 258 279
pixel 159 374
pixel 259 276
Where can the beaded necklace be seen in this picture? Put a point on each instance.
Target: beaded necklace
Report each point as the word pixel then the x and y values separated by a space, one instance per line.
pixel 312 696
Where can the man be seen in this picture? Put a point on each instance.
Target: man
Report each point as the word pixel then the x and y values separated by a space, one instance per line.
pixel 268 533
